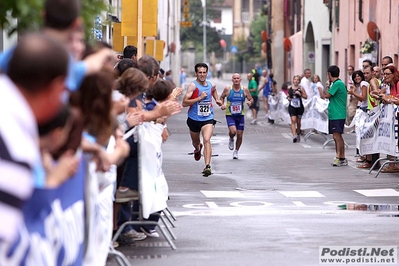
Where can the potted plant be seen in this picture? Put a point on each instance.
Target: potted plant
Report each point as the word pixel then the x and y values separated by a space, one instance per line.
pixel 367 47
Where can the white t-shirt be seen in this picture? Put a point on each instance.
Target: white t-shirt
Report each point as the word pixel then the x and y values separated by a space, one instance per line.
pixel 305 83
pixel 363 83
pixel 315 88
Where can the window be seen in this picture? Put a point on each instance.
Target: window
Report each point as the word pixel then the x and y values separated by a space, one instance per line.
pixel 361 11
pixel 298 15
pixel 337 13
pixel 217 16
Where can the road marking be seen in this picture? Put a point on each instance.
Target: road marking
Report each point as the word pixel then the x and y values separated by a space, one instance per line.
pixel 251 204
pixel 222 194
pixel 336 203
pixel 302 194
pixel 195 206
pixel 211 204
pixel 385 192
pixel 235 211
pixel 295 234
pixel 299 203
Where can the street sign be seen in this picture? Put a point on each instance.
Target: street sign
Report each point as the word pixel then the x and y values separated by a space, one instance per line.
pixel 233 49
pixel 186 24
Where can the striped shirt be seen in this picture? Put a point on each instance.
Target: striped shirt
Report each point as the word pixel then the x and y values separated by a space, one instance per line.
pixel 19 156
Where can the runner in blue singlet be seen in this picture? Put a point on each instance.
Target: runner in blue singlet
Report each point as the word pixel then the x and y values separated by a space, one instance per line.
pixel 200 114
pixel 236 95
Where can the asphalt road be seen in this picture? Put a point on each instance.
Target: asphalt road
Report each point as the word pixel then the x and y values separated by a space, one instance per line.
pixel 276 205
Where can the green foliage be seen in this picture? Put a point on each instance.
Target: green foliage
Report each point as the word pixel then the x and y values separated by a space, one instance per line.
pixel 242 44
pixel 28 13
pixel 193 37
pixel 257 26
pixel 367 47
pixel 250 48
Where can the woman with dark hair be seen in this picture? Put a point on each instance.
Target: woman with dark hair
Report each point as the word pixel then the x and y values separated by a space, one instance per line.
pixel 391 96
pixel 358 92
pixel 391 80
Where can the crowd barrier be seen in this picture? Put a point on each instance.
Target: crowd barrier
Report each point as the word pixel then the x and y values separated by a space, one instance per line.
pixel 315 115
pixel 376 131
pixel 72 224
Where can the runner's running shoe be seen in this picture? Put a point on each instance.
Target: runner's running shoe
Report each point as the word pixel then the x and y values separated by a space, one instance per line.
pixel 207 170
pixel 197 153
pixel 231 144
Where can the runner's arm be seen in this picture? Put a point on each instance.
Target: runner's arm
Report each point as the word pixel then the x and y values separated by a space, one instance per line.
pixel 187 101
pixel 215 95
pixel 248 96
pixel 223 96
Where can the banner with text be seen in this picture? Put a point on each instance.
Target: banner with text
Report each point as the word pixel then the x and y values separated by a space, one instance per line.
pixel 377 133
pixel 314 117
pixel 54 229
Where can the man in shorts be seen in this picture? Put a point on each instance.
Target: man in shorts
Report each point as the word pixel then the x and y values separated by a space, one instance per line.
pixel 236 95
pixel 253 89
pixel 200 113
pixel 337 113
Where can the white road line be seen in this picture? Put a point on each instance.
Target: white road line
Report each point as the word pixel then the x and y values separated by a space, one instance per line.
pixel 222 194
pixel 299 203
pixel 211 204
pixel 301 194
pixel 387 192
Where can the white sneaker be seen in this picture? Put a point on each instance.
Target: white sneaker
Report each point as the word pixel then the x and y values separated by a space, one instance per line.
pixel 231 144
pixel 137 236
pixel 235 154
pixel 150 233
pixel 253 122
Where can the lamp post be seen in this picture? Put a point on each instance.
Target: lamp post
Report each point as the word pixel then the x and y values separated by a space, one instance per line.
pixel 204 29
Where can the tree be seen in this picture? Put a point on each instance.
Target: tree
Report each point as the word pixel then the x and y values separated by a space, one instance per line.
pixel 250 48
pixel 256 28
pixel 193 37
pixel 28 14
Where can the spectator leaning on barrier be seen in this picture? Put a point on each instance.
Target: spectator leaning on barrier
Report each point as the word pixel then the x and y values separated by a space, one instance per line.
pixel 372 102
pixel 391 78
pixel 29 96
pixel 357 93
pixel 337 113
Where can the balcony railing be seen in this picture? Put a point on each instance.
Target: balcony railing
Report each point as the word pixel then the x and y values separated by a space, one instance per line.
pixel 245 16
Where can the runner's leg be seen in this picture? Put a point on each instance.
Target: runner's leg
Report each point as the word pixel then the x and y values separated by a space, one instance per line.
pixel 207 131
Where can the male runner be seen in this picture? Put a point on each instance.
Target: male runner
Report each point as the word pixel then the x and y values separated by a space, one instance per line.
pixel 200 114
pixel 236 95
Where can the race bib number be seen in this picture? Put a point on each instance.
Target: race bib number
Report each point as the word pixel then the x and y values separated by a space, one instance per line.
pixel 204 108
pixel 235 108
pixel 296 102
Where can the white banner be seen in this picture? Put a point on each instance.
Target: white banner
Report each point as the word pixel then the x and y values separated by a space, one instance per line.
pixel 314 117
pixel 378 134
pixel 152 182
